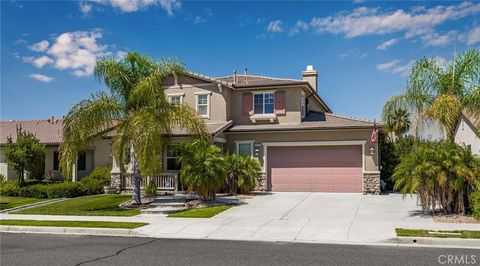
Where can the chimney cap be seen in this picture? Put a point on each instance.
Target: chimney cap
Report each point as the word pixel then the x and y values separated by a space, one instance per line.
pixel 310 68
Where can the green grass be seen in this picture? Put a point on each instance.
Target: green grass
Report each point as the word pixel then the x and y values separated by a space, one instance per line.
pixel 92 224
pixel 204 212
pixel 99 205
pixel 435 233
pixel 12 202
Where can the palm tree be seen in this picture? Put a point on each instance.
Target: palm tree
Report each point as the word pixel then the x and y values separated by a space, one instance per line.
pixel 441 94
pixel 397 122
pixel 137 108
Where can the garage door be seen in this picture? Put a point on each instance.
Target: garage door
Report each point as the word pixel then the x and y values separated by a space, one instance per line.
pixel 315 168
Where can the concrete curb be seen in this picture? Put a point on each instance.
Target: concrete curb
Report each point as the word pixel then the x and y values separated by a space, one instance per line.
pixel 438 242
pixel 32 205
pixel 69 231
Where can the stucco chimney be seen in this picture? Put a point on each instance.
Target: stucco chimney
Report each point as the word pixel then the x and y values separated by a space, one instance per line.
pixel 311 76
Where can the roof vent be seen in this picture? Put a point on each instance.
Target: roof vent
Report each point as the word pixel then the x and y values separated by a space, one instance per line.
pixel 245 72
pixel 234 76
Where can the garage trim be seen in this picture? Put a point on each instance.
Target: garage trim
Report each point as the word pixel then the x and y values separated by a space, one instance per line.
pixel 314 143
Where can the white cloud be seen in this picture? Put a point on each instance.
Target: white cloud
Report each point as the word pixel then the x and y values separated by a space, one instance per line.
pixel 394 66
pixel 76 51
pixel 39 46
pixel 41 61
pixel 128 6
pixel 198 20
pixel 275 26
pixel 473 36
pixel 436 39
pixel 371 21
pixel 388 65
pixel 299 26
pixel 384 45
pixel 42 78
pixel 85 8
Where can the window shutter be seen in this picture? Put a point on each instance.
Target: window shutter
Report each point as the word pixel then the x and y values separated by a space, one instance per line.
pixel 280 102
pixel 247 104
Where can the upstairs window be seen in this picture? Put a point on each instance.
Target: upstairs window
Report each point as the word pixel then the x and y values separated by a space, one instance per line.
pixel 203 101
pixel 176 100
pixel 264 103
pixel 172 155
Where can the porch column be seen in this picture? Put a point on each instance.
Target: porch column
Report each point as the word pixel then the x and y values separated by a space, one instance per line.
pixel 116 176
pixel 74 173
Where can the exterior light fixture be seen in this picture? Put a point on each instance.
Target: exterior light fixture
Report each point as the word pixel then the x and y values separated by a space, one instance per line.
pixel 372 151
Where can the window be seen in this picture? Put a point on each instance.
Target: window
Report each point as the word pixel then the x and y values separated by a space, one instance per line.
pixel 172 155
pixel 56 161
pixel 82 161
pixel 245 148
pixel 175 99
pixel 302 104
pixel 202 105
pixel 264 103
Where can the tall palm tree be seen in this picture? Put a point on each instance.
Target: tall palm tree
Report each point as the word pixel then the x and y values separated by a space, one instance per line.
pixel 441 94
pixel 397 122
pixel 136 107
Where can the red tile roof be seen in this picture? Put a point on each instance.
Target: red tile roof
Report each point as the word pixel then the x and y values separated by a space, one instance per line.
pixel 47 131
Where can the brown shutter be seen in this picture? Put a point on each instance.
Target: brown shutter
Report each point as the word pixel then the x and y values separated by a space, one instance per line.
pixel 280 102
pixel 247 103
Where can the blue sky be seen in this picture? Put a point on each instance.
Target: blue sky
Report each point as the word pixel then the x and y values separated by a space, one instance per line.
pixel 362 50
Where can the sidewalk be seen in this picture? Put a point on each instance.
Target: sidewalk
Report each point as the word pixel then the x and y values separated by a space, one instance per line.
pixel 290 217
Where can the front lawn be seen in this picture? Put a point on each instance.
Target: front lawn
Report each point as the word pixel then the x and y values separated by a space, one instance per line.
pixel 99 205
pixel 204 212
pixel 90 224
pixel 12 202
pixel 439 233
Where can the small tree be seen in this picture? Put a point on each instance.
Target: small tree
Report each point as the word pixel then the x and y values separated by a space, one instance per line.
pixel 243 173
pixel 203 167
pixel 397 121
pixel 25 154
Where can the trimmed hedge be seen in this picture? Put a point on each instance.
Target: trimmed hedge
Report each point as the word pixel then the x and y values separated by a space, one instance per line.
pixel 94 182
pixel 9 188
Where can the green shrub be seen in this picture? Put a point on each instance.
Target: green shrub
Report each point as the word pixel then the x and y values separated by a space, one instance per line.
pixel 95 181
pixel 34 191
pixel 150 190
pixel 390 155
pixel 9 188
pixel 66 190
pixel 2 178
pixel 475 204
pixel 243 173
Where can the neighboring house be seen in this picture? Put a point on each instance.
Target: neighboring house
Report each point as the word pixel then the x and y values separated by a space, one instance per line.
pixel 467 134
pixel 285 124
pixel 49 132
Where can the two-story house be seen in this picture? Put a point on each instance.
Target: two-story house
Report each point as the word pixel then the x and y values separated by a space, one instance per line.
pixel 285 124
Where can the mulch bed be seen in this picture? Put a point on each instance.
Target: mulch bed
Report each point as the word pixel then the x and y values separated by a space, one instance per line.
pixel 455 218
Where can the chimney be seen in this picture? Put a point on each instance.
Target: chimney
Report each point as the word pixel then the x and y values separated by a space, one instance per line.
pixel 310 75
pixel 234 76
pixel 245 72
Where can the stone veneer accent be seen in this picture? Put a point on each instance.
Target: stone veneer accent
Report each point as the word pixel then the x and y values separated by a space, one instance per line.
pixel 371 183
pixel 116 181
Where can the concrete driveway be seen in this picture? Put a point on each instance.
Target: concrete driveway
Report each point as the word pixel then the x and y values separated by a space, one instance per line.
pixel 332 217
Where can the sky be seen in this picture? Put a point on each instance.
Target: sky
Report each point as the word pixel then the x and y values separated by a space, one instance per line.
pixel 362 50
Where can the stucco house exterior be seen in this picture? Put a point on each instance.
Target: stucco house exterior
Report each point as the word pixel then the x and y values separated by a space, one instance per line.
pixel 467 134
pixel 285 124
pixel 49 132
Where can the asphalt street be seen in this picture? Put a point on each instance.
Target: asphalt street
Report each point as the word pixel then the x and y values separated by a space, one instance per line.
pixel 36 249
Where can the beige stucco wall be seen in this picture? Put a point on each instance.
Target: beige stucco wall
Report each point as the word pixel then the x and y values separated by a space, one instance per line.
pixel 5 170
pixel 292 106
pixel 465 135
pixel 371 162
pixel 218 99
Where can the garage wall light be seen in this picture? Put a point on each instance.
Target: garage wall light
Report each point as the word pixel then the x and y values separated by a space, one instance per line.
pixel 372 151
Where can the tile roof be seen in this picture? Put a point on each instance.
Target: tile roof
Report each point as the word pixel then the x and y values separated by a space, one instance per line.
pixel 47 131
pixel 212 128
pixel 313 121
pixel 244 81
